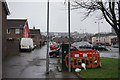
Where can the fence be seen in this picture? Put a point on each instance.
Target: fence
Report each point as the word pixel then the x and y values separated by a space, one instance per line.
pixel 90 57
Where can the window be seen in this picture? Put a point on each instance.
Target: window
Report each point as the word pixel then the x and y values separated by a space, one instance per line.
pixel 8 31
pixel 73 48
pixel 17 31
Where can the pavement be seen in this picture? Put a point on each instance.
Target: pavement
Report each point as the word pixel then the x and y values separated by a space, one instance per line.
pixel 33 65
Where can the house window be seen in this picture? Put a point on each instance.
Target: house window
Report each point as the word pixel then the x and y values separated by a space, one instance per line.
pixel 8 31
pixel 17 31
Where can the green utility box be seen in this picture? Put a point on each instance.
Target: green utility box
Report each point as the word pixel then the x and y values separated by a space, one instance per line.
pixel 65 51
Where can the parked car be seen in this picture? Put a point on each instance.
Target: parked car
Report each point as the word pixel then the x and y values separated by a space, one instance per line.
pixel 85 47
pixel 73 48
pixel 97 47
pixel 57 52
pixel 54 47
pixel 34 45
pixel 116 46
pixel 26 44
pixel 107 44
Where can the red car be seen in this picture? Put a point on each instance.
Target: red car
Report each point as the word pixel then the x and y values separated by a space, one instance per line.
pixel 54 47
pixel 73 48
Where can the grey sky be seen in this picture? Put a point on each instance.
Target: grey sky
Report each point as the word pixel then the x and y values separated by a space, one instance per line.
pixel 36 13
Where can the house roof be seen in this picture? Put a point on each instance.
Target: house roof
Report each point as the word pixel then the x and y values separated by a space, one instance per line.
pixel 6 7
pixel 102 35
pixel 34 31
pixel 115 38
pixel 111 34
pixel 16 23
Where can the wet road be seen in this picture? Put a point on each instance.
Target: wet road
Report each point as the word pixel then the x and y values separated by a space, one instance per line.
pixel 113 53
pixel 33 65
pixel 26 65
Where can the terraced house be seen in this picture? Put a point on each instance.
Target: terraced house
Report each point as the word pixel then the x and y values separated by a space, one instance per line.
pixel 103 38
pixel 36 36
pixel 4 11
pixel 14 32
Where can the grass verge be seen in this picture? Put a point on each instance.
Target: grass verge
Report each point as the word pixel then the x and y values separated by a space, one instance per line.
pixel 109 69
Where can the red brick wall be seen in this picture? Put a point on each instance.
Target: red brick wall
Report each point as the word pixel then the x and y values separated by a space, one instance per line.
pixel 36 40
pixel 0 40
pixel 13 35
pixel 13 45
pixel 4 19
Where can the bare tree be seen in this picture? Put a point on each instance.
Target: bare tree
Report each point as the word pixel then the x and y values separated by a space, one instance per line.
pixel 110 10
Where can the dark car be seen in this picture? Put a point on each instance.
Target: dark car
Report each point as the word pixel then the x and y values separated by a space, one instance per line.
pixel 85 47
pixel 57 52
pixel 100 48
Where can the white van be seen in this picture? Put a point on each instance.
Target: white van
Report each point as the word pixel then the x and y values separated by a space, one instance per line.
pixel 26 43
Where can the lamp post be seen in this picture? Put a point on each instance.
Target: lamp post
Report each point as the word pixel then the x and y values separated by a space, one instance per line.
pixel 98 31
pixel 84 30
pixel 69 35
pixel 47 56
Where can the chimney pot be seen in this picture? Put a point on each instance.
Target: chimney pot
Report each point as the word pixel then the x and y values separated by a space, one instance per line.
pixel 34 28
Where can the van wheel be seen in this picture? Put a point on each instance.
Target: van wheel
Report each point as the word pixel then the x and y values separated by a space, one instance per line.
pixel 30 50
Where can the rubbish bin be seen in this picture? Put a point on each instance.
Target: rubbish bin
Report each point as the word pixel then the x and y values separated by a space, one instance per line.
pixel 65 51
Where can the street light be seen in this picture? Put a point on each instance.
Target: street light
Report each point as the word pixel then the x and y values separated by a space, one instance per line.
pixel 84 30
pixel 47 57
pixel 98 30
pixel 69 35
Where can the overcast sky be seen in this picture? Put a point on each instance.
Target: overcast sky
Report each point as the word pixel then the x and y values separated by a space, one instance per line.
pixel 36 13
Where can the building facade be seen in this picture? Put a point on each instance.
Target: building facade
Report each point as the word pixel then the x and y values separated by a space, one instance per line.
pixel 14 33
pixel 36 36
pixel 114 41
pixel 62 40
pixel 4 12
pixel 103 38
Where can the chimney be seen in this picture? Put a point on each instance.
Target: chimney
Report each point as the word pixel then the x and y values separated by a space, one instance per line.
pixel 33 28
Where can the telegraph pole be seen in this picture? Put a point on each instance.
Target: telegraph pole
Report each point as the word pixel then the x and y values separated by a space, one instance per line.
pixel 47 56
pixel 69 34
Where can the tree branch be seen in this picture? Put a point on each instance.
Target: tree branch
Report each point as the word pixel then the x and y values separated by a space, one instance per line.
pixel 105 10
